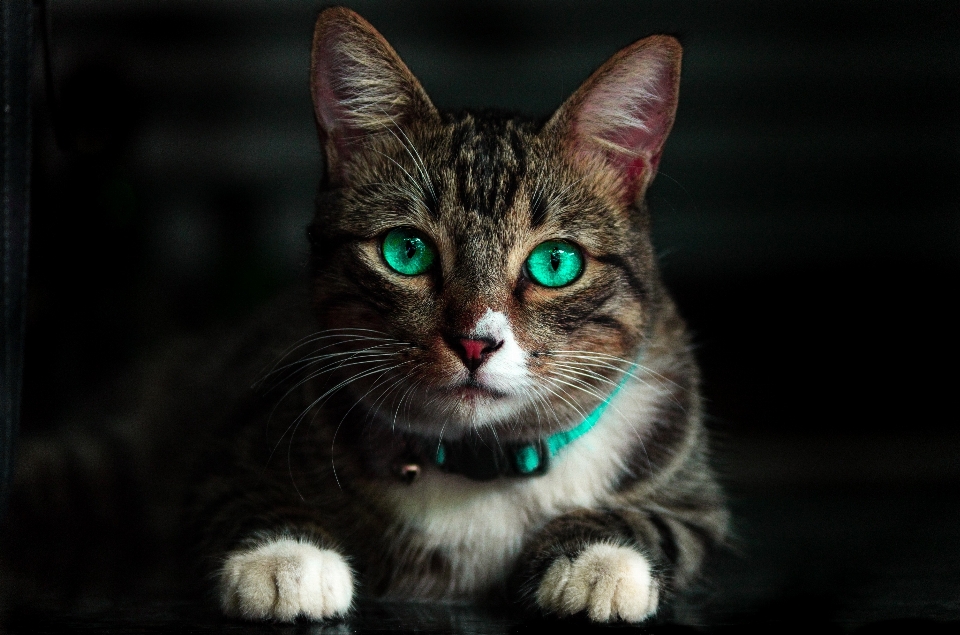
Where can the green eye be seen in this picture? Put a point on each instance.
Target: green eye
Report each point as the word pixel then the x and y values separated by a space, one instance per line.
pixel 407 251
pixel 555 263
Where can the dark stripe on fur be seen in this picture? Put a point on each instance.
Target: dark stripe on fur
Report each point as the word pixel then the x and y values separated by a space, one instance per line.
pixel 638 286
pixel 668 542
pixel 607 321
pixel 581 307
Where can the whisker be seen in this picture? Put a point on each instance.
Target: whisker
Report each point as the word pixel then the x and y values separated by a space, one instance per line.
pixel 374 359
pixel 605 357
pixel 343 338
pixel 612 405
pixel 440 439
pixel 396 410
pixel 600 363
pixel 354 360
pixel 563 398
pixel 409 176
pixel 296 422
pixel 579 385
pixel 380 400
pixel 330 360
pixel 322 334
pixel 539 399
pixel 576 369
pixel 333 441
pixel 411 151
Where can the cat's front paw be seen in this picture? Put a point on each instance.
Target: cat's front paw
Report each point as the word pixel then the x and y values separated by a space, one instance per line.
pixel 284 579
pixel 606 581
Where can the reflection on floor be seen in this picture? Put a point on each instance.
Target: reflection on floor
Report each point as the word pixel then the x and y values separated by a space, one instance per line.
pixel 869 559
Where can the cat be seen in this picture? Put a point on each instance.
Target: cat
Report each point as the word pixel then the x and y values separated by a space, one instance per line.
pixel 501 394
pixel 488 392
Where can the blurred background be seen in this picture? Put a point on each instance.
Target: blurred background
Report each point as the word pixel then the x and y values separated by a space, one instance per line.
pixel 807 213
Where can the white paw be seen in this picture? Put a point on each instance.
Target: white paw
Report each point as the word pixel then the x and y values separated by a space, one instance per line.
pixel 607 581
pixel 283 579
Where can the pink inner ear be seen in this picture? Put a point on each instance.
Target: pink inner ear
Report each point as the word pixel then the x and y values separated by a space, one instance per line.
pixel 627 110
pixel 635 168
pixel 631 127
pixel 361 88
pixel 329 63
pixel 327 103
pixel 633 171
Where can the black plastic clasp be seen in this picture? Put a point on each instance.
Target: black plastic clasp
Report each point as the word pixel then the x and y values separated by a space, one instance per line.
pixel 480 461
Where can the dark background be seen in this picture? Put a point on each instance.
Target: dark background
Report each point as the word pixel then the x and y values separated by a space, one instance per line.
pixel 807 212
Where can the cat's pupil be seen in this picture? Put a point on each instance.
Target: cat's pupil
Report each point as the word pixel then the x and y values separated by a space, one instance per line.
pixel 410 246
pixel 555 259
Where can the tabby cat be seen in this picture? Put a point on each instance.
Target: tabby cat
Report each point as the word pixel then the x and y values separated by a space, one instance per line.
pixel 494 395
pixel 501 395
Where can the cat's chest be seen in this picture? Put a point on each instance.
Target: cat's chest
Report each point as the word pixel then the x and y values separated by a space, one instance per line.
pixel 480 527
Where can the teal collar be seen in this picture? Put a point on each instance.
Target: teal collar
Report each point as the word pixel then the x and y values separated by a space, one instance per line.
pixel 479 462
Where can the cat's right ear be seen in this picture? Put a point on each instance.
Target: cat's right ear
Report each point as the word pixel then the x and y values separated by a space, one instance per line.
pixel 361 88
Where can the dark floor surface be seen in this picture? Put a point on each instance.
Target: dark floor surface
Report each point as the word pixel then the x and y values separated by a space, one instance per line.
pixel 875 558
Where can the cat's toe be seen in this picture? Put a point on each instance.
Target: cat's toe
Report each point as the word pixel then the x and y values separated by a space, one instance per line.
pixel 284 579
pixel 550 593
pixel 608 582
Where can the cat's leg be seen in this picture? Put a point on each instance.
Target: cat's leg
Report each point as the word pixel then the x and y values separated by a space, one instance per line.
pixel 285 575
pixel 615 564
pixel 269 558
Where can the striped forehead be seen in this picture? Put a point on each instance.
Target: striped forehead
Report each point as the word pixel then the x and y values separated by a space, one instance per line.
pixel 486 162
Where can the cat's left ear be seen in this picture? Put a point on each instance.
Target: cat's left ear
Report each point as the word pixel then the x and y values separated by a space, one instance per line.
pixel 620 117
pixel 361 88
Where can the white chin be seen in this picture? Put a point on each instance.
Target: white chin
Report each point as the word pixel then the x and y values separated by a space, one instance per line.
pixel 484 411
pixel 453 415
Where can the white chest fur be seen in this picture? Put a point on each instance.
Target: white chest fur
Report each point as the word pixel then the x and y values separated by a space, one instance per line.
pixel 481 526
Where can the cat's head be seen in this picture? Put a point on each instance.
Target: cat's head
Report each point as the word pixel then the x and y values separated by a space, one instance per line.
pixel 476 269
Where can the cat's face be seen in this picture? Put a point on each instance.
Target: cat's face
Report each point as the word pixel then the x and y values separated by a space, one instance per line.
pixel 482 270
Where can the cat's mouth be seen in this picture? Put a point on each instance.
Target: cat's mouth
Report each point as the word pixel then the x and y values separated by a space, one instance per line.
pixel 473 390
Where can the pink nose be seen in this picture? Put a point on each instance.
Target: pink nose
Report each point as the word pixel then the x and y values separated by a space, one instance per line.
pixel 476 351
pixel 473 349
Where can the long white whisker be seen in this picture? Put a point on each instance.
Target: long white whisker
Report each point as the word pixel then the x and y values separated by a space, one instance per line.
pixel 580 384
pixel 316 403
pixel 333 441
pixel 610 358
pixel 377 359
pixel 561 397
pixel 643 381
pixel 319 335
pixel 354 360
pixel 330 360
pixel 409 176
pixel 411 151
pixel 600 363
pixel 396 410
pixel 380 400
pixel 314 355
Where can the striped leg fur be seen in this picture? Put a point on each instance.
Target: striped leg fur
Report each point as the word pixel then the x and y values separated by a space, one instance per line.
pixel 616 565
